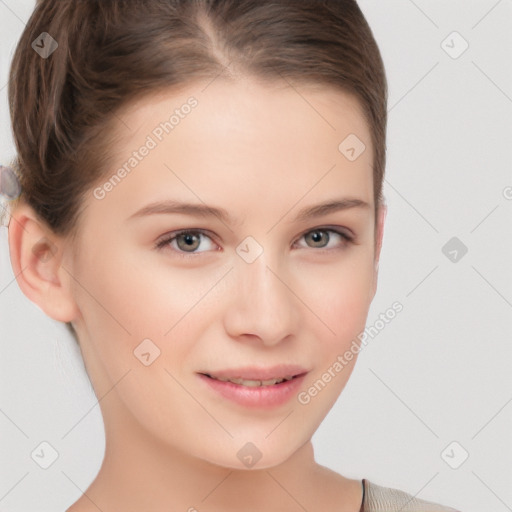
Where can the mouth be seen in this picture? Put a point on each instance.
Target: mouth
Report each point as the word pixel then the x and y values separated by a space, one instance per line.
pixel 256 387
pixel 253 383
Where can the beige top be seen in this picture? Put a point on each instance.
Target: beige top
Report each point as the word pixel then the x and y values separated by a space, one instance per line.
pixel 384 499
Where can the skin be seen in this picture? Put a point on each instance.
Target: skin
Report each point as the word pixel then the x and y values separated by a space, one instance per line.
pixel 262 153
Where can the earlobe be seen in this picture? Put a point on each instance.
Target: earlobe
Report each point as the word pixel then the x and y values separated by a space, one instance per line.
pixel 36 257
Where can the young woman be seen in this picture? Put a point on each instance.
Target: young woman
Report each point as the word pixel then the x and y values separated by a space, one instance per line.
pixel 201 203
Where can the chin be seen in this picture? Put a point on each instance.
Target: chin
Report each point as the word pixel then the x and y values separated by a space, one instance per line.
pixel 255 455
pixel 247 465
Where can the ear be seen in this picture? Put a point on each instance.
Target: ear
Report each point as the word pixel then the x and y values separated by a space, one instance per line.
pixel 36 257
pixel 381 217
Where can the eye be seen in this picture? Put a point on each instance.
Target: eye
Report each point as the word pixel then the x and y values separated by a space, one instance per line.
pixel 319 238
pixel 186 241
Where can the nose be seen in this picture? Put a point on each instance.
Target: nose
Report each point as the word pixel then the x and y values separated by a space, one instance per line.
pixel 263 304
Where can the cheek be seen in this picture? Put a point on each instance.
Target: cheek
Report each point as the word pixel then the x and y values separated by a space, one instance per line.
pixel 341 296
pixel 343 306
pixel 139 298
pixel 123 304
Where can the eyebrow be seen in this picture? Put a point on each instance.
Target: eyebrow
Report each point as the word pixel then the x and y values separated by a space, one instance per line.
pixel 203 210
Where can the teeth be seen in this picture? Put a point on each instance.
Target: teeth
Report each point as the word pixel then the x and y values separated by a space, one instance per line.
pixel 249 383
pixel 271 382
pixel 253 383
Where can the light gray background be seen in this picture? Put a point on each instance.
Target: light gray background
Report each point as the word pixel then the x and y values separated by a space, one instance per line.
pixel 439 372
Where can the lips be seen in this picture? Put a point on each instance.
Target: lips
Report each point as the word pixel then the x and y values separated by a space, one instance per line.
pixel 257 376
pixel 256 387
pixel 251 382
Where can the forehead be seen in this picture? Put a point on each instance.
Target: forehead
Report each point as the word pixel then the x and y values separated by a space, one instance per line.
pixel 306 109
pixel 222 140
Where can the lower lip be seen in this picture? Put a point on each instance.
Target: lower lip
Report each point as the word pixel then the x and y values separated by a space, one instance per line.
pixel 257 396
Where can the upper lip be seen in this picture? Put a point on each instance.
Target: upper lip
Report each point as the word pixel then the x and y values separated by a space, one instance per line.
pixel 258 373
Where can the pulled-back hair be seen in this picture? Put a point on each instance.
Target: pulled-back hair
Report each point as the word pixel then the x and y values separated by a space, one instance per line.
pixel 63 106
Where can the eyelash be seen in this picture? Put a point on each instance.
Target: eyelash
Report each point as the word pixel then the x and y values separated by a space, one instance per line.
pixel 159 245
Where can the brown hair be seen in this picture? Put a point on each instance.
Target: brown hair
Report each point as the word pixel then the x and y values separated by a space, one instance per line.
pixel 110 53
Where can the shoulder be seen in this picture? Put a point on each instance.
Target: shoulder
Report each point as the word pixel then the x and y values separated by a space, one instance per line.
pixel 384 499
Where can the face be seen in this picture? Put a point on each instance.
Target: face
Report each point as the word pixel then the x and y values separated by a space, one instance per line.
pixel 210 258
